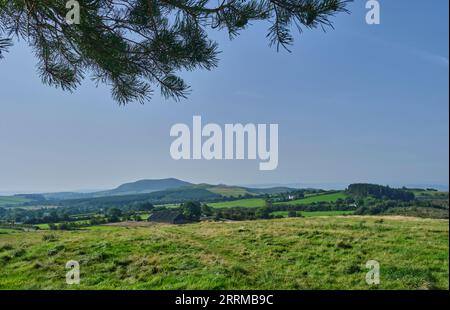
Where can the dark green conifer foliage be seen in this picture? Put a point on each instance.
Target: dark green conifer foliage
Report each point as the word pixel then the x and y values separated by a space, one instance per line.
pixel 136 45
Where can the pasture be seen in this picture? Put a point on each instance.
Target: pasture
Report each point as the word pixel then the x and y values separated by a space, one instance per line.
pixel 292 253
pixel 329 197
pixel 259 202
pixel 314 213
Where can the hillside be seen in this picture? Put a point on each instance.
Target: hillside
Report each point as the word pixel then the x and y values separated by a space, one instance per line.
pixel 132 188
pixel 150 186
pixel 259 202
pixel 6 201
pixel 327 197
pixel 159 197
pixel 145 186
pixel 295 254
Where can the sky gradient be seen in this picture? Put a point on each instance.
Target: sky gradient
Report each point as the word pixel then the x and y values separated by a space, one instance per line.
pixel 356 104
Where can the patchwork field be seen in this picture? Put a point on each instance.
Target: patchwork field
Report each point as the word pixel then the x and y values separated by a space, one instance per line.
pixel 293 253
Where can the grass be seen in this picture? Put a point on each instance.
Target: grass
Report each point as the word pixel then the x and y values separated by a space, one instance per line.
pixel 331 197
pixel 247 203
pixel 315 213
pixel 258 202
pixel 144 216
pixel 47 226
pixel 229 191
pixel 294 253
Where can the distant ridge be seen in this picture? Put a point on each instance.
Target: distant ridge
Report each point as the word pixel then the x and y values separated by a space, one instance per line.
pixel 132 188
pixel 153 186
pixel 147 186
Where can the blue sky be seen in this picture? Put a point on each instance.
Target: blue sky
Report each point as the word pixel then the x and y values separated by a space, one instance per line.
pixel 359 103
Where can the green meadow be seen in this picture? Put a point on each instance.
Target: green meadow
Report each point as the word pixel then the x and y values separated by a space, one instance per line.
pixel 331 197
pixel 247 203
pixel 259 202
pixel 229 191
pixel 290 253
pixel 314 213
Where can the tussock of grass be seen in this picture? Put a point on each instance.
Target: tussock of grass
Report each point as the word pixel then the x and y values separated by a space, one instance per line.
pixel 294 253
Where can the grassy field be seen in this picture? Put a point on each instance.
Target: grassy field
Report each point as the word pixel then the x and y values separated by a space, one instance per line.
pixel 247 203
pixel 229 191
pixel 47 226
pixel 258 202
pixel 10 200
pixel 315 213
pixel 317 198
pixel 295 253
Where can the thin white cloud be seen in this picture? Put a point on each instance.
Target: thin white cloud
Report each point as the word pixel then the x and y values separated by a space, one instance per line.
pixel 423 55
pixel 432 58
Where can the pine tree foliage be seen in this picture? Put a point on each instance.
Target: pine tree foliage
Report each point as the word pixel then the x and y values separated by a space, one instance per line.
pixel 137 45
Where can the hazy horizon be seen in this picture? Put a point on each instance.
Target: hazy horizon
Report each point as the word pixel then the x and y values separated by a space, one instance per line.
pixel 318 185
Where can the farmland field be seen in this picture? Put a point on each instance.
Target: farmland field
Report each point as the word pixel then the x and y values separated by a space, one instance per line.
pixel 294 253
pixel 317 198
pixel 229 191
pixel 259 202
pixel 315 213
pixel 248 203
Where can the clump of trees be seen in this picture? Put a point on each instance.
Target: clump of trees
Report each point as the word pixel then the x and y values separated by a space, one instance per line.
pixel 409 208
pixel 191 210
pixel 68 214
pixel 362 190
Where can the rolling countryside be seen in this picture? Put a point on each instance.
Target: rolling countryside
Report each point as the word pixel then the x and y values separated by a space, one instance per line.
pixel 171 234
pixel 296 253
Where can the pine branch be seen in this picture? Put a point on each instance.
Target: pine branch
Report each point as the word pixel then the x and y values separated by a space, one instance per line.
pixel 134 45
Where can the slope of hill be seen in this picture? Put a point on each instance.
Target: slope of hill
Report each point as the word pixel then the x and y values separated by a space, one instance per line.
pixel 132 188
pixel 159 197
pixel 327 197
pixel 150 186
pixel 259 202
pixel 145 186
pixel 7 201
pixel 225 190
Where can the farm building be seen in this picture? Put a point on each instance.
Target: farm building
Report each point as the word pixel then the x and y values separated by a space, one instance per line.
pixel 168 216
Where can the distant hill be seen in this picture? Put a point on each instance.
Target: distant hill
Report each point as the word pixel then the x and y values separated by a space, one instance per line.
pixel 171 196
pixel 132 188
pixel 150 186
pixel 240 191
pixel 144 187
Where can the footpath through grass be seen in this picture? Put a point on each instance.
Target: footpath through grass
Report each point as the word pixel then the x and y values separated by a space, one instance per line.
pixel 294 253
